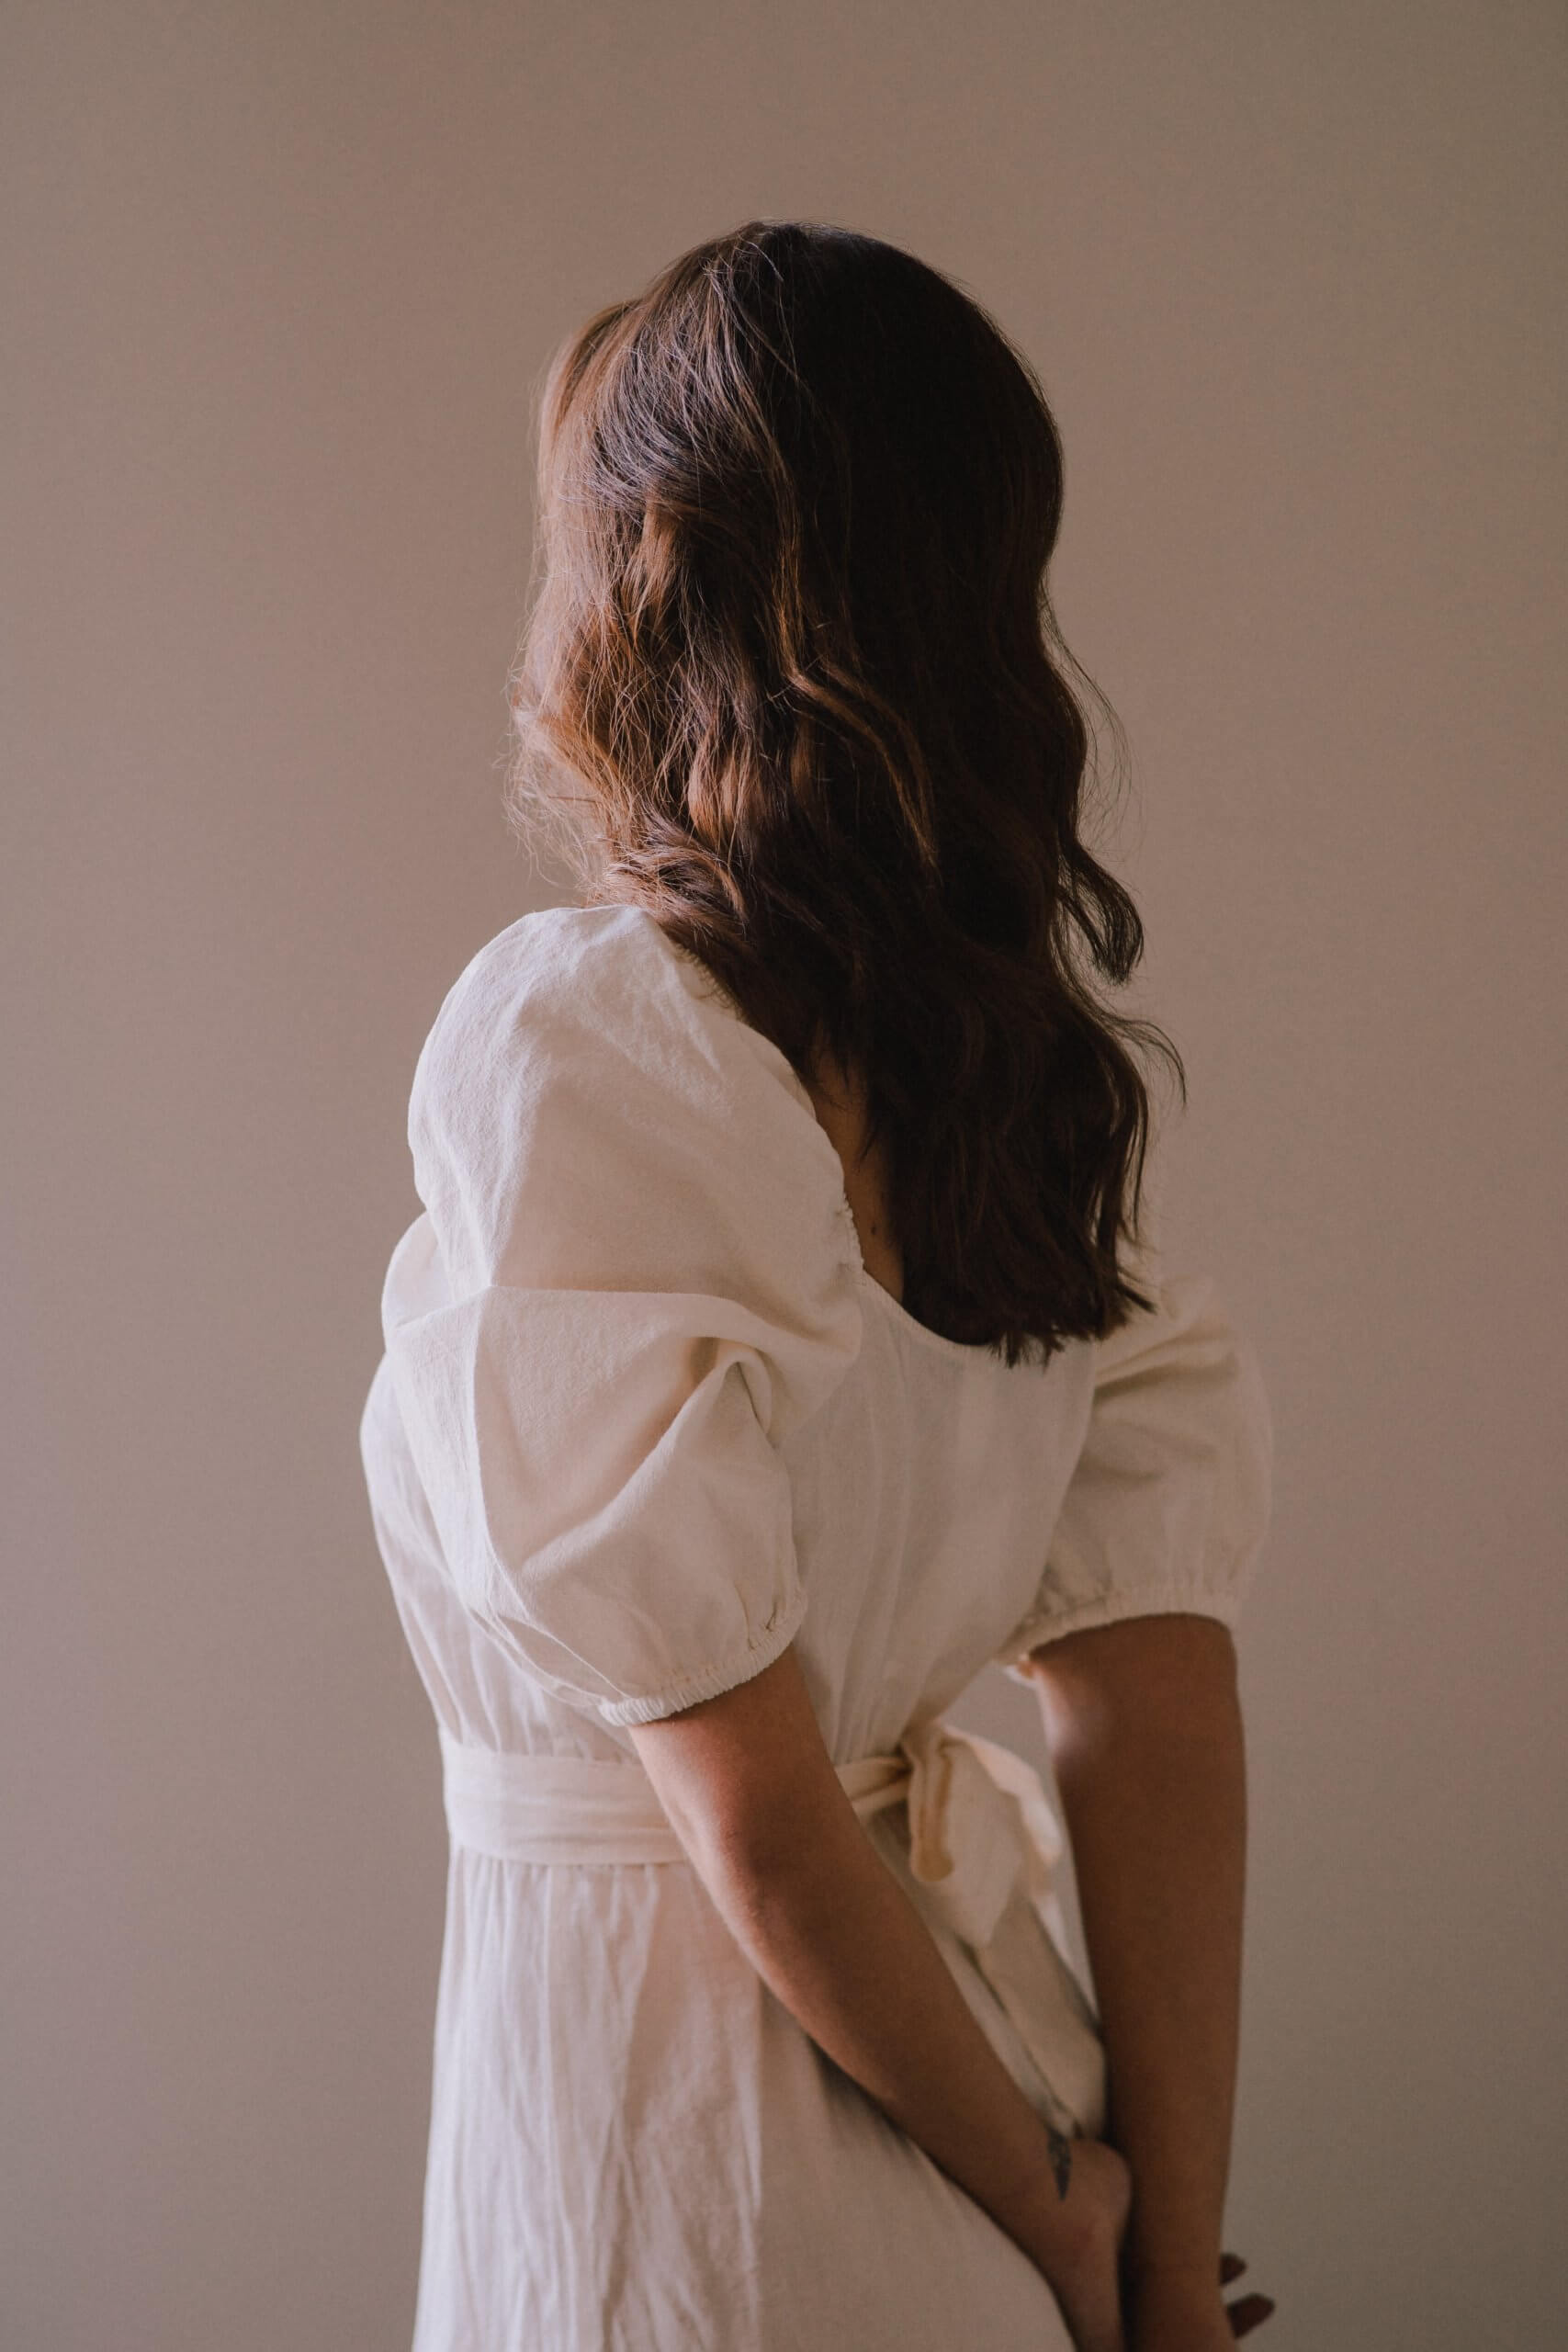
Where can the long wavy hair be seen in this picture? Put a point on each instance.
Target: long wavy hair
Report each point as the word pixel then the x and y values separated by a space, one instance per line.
pixel 792 678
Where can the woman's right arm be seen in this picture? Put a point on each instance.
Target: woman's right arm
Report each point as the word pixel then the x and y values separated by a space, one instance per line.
pixel 1143 1725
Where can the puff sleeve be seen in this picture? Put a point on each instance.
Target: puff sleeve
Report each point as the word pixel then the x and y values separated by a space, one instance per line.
pixel 1167 1505
pixel 631 1283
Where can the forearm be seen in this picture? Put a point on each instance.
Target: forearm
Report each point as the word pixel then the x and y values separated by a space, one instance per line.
pixel 749 1785
pixel 1150 1767
pixel 835 1937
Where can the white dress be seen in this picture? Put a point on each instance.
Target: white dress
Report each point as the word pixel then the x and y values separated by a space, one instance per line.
pixel 643 1420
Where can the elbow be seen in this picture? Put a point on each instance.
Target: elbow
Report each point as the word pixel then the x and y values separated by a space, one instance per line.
pixel 764 1849
pixel 735 1828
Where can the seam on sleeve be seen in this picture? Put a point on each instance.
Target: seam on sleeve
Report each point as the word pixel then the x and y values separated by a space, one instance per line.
pixel 1152 1600
pixel 708 1683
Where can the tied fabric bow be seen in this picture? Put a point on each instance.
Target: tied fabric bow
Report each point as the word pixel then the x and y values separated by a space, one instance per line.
pixel 983 1848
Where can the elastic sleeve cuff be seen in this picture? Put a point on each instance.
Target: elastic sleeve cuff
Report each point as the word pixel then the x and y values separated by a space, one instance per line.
pixel 1110 1609
pixel 688 1689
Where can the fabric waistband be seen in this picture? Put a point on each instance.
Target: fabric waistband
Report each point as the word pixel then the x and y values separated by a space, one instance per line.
pixel 547 1808
pixel 984 1844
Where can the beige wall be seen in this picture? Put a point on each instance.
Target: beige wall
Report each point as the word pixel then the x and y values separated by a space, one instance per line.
pixel 277 281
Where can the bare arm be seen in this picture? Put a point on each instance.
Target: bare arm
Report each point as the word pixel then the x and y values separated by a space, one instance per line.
pixel 1144 1728
pixel 752 1793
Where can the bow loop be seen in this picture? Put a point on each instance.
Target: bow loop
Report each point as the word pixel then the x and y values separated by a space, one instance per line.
pixel 979 1823
pixel 982 1831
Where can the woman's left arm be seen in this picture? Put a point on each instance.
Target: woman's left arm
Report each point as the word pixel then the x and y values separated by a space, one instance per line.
pixel 1144 1723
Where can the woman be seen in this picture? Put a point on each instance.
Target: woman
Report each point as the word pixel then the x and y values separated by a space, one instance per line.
pixel 781 1343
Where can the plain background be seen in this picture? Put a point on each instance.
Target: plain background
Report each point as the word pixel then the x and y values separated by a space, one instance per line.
pixel 279 283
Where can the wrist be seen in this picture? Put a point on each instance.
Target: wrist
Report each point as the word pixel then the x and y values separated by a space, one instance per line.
pixel 1167 2298
pixel 1084 2228
pixel 1173 2280
pixel 1172 2245
pixel 1184 2329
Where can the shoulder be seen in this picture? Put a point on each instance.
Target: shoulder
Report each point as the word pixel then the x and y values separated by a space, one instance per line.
pixel 542 974
pixel 583 1067
pixel 599 990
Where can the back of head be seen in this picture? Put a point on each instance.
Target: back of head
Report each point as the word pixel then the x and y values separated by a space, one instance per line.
pixel 793 677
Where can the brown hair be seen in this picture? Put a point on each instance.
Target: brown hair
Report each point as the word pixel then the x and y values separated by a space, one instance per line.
pixel 793 660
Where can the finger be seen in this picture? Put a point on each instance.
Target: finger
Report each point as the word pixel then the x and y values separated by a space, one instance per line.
pixel 1249 2312
pixel 1231 2267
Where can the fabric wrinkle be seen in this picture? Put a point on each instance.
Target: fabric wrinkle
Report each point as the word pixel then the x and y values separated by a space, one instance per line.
pixel 643 1421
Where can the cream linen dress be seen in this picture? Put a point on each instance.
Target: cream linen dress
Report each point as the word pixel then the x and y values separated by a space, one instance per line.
pixel 642 1420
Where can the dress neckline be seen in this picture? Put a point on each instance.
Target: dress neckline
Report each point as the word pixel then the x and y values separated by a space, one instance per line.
pixel 969 1350
pixel 962 1350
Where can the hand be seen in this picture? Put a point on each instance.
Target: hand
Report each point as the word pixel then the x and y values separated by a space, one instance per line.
pixel 1183 2316
pixel 1247 2311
